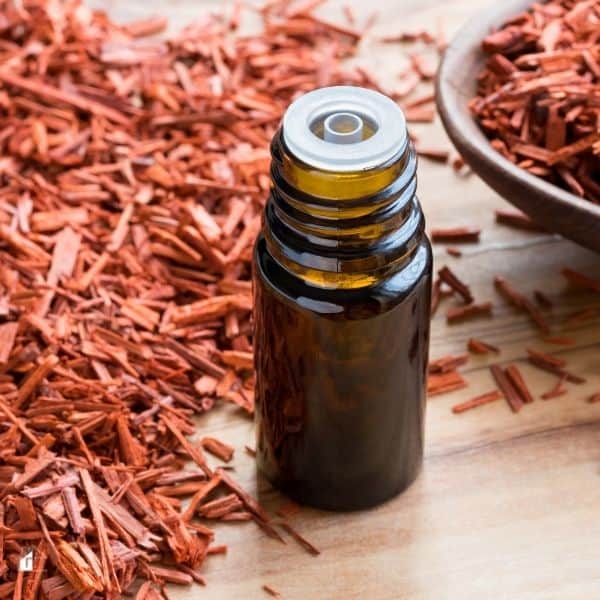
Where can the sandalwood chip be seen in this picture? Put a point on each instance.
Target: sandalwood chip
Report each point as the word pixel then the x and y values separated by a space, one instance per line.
pixel 8 334
pixel 521 302
pixel 456 235
pixel 581 280
pixel 218 448
pixel 447 363
pixel 310 548
pixel 271 591
pixel 547 358
pixel 441 383
pixel 518 381
pixel 558 390
pixel 506 387
pixel 435 154
pixel 477 401
pixel 550 367
pixel 450 279
pixel 480 347
pixel 462 313
pixel 517 220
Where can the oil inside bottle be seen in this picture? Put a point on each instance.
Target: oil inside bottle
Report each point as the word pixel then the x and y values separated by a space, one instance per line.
pixel 342 296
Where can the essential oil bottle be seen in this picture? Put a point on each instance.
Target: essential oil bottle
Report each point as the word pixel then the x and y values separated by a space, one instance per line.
pixel 342 284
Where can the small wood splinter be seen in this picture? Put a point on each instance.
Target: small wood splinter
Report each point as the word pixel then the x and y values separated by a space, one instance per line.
pixel 480 347
pixel 558 390
pixel 462 313
pixel 456 235
pixel 477 401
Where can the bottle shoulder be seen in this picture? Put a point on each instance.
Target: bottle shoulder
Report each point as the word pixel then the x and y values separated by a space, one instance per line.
pixel 380 295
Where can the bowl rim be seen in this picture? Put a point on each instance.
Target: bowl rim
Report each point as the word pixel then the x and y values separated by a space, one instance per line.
pixel 462 128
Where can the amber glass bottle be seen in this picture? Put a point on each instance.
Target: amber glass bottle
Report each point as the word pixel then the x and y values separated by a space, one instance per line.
pixel 342 292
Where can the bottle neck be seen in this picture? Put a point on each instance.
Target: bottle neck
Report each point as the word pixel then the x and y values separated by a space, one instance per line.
pixel 342 230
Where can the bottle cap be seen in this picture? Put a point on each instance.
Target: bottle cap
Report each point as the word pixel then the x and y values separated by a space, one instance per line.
pixel 344 129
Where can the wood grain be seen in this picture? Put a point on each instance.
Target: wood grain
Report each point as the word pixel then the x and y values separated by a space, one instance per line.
pixel 506 506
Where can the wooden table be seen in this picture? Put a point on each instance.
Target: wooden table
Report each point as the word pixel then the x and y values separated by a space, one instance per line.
pixel 507 505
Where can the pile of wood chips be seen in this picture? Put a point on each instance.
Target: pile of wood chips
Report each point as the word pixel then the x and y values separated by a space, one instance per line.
pixel 539 93
pixel 132 179
pixel 133 175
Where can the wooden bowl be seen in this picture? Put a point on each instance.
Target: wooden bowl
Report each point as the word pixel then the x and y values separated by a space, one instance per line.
pixel 552 207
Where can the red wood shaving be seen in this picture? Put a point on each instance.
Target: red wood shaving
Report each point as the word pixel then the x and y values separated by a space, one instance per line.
pixel 240 515
pixel 537 93
pixel 517 220
pixel 462 313
pixel 518 381
pixel 455 235
pixel 271 591
pixel 558 390
pixel 8 334
pixel 521 302
pixel 420 114
pixel 445 364
pixel 435 154
pixel 260 515
pixel 442 383
pixel 477 401
pixel 506 387
pixel 220 507
pixel 409 82
pixel 310 548
pixel 452 281
pixel 547 358
pixel 219 449
pixel 541 363
pixel 458 163
pixel 133 178
pixel 580 280
pixel 480 347
pixel 424 65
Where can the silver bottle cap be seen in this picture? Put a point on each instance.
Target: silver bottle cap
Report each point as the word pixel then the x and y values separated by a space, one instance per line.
pixel 344 112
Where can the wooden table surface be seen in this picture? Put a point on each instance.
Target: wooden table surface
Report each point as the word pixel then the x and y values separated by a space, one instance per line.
pixel 507 505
